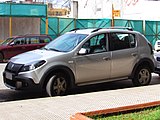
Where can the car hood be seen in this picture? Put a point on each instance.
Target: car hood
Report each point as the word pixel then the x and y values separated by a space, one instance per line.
pixel 3 46
pixel 34 55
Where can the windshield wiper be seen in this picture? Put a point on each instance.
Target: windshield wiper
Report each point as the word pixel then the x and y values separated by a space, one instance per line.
pixel 45 48
pixel 54 49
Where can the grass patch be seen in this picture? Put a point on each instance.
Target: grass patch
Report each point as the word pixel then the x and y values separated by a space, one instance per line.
pixel 152 113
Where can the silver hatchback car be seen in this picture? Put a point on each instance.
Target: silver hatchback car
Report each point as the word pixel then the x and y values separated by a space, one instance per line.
pixel 83 57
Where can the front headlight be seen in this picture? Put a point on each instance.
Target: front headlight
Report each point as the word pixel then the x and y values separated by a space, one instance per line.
pixel 158 58
pixel 32 66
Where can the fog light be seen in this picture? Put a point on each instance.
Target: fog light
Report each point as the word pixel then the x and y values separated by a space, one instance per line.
pixel 18 84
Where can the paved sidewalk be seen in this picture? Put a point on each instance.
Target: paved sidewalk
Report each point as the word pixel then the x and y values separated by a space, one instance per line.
pixel 61 108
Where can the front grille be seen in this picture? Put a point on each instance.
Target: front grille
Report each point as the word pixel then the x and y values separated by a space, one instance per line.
pixel 13 67
pixel 11 83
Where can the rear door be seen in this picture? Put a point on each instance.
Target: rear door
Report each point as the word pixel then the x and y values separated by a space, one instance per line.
pixel 32 42
pixel 36 42
pixel 124 54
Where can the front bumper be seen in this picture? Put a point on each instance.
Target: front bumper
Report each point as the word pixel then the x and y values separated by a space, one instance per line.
pixel 16 82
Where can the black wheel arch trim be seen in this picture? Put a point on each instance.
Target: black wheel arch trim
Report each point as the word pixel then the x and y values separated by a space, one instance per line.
pixel 44 81
pixel 143 61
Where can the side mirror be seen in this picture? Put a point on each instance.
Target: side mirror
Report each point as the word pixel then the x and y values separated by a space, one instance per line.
pixel 83 51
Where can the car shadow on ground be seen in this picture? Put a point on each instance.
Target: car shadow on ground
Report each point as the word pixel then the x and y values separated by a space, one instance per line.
pixel 12 95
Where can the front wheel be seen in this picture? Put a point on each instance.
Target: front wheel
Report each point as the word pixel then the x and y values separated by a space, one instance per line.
pixel 142 76
pixel 57 85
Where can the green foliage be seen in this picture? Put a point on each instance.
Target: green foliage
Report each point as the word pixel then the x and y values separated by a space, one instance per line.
pixel 144 114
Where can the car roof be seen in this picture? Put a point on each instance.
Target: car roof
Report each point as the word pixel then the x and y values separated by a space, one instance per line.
pixel 36 35
pixel 82 31
pixel 16 36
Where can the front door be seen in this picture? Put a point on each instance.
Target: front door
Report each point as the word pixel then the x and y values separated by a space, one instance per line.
pixel 17 47
pixel 95 65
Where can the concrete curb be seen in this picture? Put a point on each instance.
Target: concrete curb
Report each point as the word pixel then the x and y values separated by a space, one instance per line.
pixel 83 116
pixel 79 116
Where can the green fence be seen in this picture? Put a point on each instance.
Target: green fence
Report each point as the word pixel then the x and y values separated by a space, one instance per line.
pixel 135 24
pixel 23 10
pixel 58 26
pixel 152 31
pixel 93 23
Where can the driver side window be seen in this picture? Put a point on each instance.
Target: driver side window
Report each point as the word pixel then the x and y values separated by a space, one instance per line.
pixel 96 44
pixel 19 41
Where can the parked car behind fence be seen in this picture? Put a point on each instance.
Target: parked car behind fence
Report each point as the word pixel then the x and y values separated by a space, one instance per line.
pixel 20 44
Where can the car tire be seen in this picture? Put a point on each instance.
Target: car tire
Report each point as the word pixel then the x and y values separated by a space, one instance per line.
pixel 142 76
pixel 57 85
pixel 1 57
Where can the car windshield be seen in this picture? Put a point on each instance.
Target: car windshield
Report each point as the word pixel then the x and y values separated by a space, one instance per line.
pixel 66 42
pixel 7 41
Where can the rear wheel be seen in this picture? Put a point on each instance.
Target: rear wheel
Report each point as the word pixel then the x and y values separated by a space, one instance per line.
pixel 1 57
pixel 142 76
pixel 57 85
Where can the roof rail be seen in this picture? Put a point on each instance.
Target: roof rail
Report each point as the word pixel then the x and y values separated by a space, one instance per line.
pixel 128 28
pixel 96 29
pixel 74 29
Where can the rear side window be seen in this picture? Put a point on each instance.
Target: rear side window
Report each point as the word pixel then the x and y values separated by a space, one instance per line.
pixel 118 41
pixel 32 40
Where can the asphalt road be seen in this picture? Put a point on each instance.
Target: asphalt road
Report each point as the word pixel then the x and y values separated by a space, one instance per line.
pixel 7 94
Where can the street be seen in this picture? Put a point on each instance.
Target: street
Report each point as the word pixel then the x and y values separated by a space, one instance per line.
pixel 7 94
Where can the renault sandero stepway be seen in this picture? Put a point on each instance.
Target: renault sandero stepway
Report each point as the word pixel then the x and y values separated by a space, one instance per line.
pixel 83 57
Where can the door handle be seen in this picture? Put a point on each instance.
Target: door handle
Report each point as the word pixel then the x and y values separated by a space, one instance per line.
pixel 134 54
pixel 106 58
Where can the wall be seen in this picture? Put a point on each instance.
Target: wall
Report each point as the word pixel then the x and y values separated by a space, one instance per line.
pixel 20 26
pixel 74 9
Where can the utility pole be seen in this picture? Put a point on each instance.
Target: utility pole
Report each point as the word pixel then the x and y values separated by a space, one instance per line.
pixel 112 24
